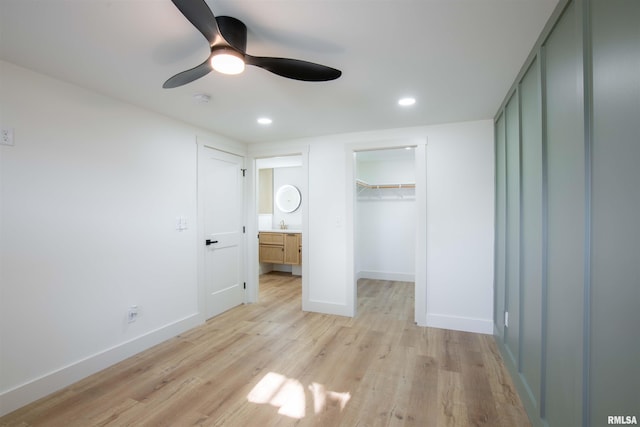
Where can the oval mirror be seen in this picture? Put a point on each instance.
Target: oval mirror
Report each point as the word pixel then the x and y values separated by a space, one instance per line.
pixel 288 198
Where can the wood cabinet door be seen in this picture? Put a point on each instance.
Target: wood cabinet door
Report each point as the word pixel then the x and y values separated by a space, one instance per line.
pixel 291 248
pixel 272 254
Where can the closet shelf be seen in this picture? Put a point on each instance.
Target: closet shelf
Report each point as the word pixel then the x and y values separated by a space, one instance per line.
pixel 364 184
pixel 368 191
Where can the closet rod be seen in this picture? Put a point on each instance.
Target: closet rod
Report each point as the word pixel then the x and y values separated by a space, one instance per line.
pixel 377 186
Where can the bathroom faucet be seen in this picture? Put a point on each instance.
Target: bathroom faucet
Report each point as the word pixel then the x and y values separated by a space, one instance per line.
pixel 283 225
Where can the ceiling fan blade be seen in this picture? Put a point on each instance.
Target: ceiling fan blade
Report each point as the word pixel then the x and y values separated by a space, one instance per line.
pixel 294 68
pixel 198 13
pixel 188 76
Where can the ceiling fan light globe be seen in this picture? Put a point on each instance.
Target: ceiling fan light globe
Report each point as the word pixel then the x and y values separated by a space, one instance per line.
pixel 226 62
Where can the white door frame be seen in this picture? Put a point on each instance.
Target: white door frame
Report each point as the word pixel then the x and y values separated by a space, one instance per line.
pixel 420 144
pixel 253 281
pixel 202 288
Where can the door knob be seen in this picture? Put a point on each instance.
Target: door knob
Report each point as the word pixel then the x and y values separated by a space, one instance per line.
pixel 210 242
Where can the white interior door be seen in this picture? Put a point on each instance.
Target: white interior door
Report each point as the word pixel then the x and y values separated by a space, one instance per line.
pixel 220 190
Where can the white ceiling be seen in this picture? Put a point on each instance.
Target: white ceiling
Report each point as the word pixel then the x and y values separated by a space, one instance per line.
pixel 456 57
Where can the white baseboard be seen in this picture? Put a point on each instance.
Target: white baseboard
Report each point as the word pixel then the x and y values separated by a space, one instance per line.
pixel 327 308
pixel 31 391
pixel 384 275
pixel 466 324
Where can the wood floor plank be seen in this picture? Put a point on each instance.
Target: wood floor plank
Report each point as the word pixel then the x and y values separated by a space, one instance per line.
pixel 452 409
pixel 270 364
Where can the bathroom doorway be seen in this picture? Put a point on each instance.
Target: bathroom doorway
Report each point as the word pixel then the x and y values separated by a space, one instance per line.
pixel 280 186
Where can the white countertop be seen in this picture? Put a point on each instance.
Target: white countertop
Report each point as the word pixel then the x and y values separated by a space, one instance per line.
pixel 278 230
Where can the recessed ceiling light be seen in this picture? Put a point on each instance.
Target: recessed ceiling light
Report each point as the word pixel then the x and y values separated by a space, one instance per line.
pixel 265 121
pixel 405 102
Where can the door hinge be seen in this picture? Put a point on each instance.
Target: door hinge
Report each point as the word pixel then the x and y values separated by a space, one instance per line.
pixel 245 285
pixel 244 229
pixel 243 171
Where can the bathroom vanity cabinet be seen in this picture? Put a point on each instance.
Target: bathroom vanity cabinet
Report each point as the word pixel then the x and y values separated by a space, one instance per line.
pixel 280 248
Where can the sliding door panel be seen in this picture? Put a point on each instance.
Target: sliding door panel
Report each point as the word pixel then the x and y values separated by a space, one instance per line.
pixel 566 220
pixel 615 266
pixel 500 225
pixel 531 247
pixel 513 229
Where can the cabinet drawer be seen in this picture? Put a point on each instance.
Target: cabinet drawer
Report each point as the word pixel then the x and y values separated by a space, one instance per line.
pixel 271 239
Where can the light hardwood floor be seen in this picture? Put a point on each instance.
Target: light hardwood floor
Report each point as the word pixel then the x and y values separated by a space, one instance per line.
pixel 270 364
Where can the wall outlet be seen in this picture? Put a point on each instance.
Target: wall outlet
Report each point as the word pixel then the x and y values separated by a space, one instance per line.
pixel 6 136
pixel 132 314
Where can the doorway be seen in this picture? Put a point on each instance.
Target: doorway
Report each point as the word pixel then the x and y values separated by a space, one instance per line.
pixel 385 219
pixel 280 184
pixel 358 267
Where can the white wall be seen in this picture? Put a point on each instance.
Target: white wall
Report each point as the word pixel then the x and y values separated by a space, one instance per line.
pixel 460 206
pixel 286 170
pixel 292 176
pixel 386 171
pixel 459 220
pixel 327 290
pixel 90 194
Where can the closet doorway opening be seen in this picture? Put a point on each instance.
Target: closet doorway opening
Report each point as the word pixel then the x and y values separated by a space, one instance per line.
pixel 385 218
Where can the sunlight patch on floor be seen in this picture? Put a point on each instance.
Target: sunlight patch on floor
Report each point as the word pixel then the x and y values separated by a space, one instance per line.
pixel 288 395
pixel 321 397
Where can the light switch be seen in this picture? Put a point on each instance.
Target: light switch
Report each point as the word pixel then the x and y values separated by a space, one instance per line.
pixel 181 223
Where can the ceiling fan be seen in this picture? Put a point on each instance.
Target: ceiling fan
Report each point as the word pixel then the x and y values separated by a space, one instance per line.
pixel 227 38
